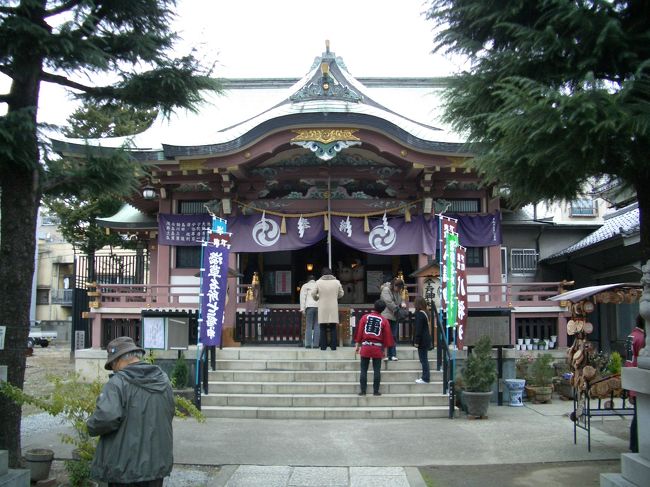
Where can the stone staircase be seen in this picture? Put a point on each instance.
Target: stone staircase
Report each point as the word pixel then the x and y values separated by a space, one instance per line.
pixel 298 383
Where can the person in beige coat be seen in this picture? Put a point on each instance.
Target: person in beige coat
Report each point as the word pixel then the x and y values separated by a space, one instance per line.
pixel 327 293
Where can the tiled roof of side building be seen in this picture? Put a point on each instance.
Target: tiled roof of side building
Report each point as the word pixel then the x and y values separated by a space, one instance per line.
pixel 623 223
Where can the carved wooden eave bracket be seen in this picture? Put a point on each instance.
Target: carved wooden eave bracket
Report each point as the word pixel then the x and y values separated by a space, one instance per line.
pixel 325 143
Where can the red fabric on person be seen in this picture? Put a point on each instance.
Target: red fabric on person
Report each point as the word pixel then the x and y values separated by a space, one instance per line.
pixel 374 328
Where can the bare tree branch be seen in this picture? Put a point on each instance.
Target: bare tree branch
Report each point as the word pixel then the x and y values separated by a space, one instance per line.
pixel 63 81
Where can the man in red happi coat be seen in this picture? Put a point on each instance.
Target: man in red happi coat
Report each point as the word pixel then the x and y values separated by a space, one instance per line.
pixel 372 337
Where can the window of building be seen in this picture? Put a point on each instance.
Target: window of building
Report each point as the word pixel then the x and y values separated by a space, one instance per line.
pixel 464 206
pixel 583 207
pixel 192 207
pixel 42 296
pixel 523 261
pixel 474 256
pixel 189 257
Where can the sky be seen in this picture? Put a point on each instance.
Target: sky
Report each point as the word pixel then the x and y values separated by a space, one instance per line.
pixel 258 38
pixel 262 38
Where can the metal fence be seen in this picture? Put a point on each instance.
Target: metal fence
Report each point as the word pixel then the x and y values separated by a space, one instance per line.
pixel 113 269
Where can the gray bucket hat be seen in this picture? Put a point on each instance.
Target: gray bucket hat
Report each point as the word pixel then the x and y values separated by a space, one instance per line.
pixel 118 347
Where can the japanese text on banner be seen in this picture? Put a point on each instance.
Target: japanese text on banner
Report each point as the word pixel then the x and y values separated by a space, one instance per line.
pixel 214 287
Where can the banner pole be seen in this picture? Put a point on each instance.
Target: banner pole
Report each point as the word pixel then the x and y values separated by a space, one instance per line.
pixel 329 221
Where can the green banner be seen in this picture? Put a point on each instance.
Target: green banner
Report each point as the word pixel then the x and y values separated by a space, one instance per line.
pixel 450 263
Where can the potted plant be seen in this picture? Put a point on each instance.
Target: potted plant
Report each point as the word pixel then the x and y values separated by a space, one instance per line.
pixel 39 462
pixel 479 374
pixel 541 377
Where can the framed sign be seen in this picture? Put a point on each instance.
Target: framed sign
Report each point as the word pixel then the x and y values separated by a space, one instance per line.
pixel 153 332
pixel 282 282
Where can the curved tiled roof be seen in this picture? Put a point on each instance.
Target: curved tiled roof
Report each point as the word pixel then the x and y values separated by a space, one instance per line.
pixel 622 223
pixel 238 117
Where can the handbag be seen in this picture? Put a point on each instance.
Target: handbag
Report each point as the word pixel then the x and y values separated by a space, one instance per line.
pixel 401 314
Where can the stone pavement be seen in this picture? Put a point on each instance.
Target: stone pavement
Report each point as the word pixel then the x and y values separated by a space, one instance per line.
pixel 377 452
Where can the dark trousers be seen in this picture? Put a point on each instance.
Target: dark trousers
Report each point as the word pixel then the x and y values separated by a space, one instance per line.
pixel 325 329
pixel 394 329
pixel 634 433
pixel 376 368
pixel 423 355
pixel 146 483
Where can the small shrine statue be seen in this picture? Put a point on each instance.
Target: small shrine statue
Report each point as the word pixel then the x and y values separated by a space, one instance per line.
pixel 643 362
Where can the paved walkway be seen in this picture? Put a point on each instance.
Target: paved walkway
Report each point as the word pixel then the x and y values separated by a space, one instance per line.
pixel 375 452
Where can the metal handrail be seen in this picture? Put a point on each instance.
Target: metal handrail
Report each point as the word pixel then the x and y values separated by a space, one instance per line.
pixel 201 377
pixel 444 361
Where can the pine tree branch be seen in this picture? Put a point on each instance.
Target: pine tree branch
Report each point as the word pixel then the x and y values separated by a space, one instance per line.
pixel 5 98
pixel 8 10
pixel 63 8
pixel 63 81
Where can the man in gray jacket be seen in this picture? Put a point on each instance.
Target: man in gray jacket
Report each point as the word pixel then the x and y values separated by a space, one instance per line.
pixel 133 419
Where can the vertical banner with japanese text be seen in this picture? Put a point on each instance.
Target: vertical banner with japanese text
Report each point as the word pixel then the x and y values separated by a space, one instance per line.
pixel 447 225
pixel 461 290
pixel 214 287
pixel 451 248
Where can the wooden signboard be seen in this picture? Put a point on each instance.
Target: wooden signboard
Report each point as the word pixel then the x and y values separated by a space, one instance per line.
pixel 495 324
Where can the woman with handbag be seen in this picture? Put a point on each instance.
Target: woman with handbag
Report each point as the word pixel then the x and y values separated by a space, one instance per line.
pixel 391 294
pixel 422 338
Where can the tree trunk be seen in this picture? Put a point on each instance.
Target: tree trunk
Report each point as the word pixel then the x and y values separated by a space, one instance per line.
pixel 20 197
pixel 19 208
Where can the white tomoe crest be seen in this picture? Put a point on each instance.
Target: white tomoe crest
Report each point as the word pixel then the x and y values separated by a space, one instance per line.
pixel 382 237
pixel 266 232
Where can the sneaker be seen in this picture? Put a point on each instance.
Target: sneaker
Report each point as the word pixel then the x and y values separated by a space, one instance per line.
pixel 394 359
pixel 362 394
pixel 385 359
pixel 376 393
pixel 420 381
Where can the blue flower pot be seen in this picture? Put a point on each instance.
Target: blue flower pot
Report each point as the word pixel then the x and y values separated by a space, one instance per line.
pixel 515 388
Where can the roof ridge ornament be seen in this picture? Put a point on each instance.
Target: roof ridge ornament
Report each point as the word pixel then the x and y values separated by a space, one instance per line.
pixel 326 86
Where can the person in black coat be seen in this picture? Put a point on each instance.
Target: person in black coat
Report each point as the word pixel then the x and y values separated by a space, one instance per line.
pixel 422 338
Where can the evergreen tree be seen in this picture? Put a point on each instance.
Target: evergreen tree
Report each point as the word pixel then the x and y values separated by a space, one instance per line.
pixel 78 211
pixel 62 42
pixel 557 92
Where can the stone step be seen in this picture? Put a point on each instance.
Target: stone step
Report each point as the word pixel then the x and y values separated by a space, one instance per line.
pixel 297 383
pixel 404 352
pixel 323 400
pixel 313 365
pixel 312 376
pixel 348 387
pixel 4 462
pixel 15 478
pixel 359 412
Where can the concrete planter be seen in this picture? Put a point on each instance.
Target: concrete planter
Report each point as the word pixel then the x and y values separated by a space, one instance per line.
pixel 39 462
pixel 477 402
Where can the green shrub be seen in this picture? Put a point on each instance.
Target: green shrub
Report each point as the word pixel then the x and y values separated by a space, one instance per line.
pixel 180 373
pixel 615 363
pixel 78 472
pixel 480 371
pixel 541 371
